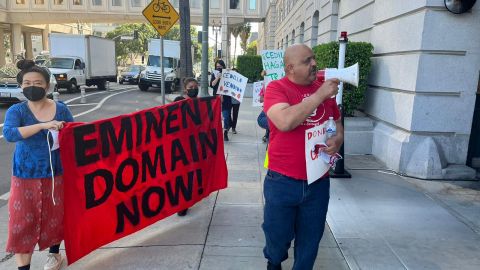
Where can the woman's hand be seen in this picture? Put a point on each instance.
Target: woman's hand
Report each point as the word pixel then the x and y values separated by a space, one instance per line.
pixel 56 125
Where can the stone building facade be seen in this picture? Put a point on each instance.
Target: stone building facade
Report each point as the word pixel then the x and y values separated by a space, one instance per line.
pixel 424 79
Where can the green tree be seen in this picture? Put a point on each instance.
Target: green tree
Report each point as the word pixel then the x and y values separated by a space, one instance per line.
pixel 252 48
pixel 130 49
pixel 235 32
pixel 244 35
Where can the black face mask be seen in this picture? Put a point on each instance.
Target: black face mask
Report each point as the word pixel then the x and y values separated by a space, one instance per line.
pixel 219 69
pixel 34 93
pixel 192 93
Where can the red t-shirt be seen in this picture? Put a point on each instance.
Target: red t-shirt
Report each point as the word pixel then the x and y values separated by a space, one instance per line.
pixel 286 150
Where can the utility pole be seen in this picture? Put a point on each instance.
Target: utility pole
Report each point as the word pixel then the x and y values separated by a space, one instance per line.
pixel 216 29
pixel 206 10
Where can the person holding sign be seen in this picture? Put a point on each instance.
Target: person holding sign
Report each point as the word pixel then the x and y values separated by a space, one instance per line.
pixel 216 75
pixel 36 194
pixel 191 90
pixel 294 209
pixel 226 100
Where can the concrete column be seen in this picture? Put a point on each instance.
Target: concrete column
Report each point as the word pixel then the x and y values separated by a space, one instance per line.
pixel 225 39
pixel 2 49
pixel 45 33
pixel 16 42
pixel 28 46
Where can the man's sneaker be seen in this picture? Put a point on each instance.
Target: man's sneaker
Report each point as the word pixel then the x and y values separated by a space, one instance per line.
pixel 234 131
pixel 225 135
pixel 54 262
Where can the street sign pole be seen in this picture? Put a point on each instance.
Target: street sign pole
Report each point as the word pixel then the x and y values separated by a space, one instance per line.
pixel 162 16
pixel 339 171
pixel 205 48
pixel 162 70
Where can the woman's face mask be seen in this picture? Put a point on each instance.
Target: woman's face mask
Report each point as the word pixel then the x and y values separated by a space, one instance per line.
pixel 34 93
pixel 192 93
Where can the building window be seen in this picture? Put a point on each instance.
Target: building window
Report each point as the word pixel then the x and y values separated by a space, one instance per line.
pixel 314 29
pixel 96 2
pixel 58 2
pixel 136 3
pixel 286 42
pixel 252 4
pixel 234 4
pixel 302 32
pixel 293 36
pixel 214 3
pixel 39 2
pixel 20 2
pixel 78 2
pixel 117 3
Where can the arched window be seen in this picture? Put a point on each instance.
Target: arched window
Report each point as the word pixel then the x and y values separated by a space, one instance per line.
pixel 314 37
pixel 302 32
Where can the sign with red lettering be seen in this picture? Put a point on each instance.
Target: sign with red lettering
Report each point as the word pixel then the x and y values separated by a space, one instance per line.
pixel 125 173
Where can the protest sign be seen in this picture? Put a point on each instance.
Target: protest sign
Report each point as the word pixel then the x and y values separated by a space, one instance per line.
pixel 257 88
pixel 273 65
pixel 233 84
pixel 315 138
pixel 125 173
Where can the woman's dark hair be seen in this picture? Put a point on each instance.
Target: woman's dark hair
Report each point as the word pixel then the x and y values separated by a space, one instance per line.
pixel 188 80
pixel 27 66
pixel 220 61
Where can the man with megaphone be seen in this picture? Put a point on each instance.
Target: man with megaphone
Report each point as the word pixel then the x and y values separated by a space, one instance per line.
pixel 294 209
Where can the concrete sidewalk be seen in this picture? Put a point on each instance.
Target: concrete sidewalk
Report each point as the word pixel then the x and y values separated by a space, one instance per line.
pixel 378 220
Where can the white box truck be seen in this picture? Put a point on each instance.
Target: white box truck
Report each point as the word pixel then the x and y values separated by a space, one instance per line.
pixel 77 60
pixel 151 76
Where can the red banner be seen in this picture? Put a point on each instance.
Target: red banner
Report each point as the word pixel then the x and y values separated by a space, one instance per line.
pixel 125 173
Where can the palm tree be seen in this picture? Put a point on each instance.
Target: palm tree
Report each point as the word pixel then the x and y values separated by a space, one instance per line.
pixel 235 32
pixel 186 65
pixel 244 35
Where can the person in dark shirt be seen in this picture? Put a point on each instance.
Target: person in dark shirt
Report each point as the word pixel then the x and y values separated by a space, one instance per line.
pixel 190 91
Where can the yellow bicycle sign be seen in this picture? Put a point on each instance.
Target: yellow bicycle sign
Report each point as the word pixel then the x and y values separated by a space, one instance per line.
pixel 160 5
pixel 162 15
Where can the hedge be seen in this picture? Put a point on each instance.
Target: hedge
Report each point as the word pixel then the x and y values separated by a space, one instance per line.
pixel 250 66
pixel 326 56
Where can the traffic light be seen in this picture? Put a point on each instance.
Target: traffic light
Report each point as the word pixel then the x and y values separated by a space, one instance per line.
pixel 135 34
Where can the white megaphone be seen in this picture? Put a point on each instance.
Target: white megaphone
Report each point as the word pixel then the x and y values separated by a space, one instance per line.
pixel 348 75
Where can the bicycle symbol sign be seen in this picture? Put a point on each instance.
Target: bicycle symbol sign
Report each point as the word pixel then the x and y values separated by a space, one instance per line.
pixel 162 15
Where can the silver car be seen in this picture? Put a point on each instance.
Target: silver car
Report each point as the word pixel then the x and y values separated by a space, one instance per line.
pixel 11 92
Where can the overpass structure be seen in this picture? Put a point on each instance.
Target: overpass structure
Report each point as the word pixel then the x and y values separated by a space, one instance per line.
pixel 24 18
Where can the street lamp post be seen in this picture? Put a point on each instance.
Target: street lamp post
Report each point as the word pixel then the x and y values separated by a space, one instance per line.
pixel 216 29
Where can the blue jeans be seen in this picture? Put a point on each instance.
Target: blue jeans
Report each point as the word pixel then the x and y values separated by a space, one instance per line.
pixel 294 209
pixel 227 119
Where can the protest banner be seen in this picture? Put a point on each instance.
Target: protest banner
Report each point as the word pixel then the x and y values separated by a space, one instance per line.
pixel 232 84
pixel 125 173
pixel 257 88
pixel 317 165
pixel 273 64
